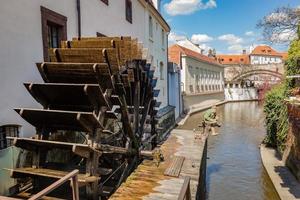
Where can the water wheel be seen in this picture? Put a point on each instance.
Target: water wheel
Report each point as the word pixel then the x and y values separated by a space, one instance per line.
pixel 98 116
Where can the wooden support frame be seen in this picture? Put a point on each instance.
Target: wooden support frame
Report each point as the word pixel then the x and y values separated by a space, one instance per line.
pixel 74 184
pixel 185 192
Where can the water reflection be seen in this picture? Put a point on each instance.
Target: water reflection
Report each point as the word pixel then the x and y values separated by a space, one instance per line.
pixel 234 169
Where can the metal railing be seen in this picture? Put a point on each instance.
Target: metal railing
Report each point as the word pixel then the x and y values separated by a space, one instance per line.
pixel 185 192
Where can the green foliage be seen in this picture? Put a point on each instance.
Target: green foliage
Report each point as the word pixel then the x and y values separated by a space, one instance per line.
pixel 291 63
pixel 276 117
pixel 274 107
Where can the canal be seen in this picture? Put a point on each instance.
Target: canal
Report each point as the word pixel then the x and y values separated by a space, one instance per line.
pixel 234 167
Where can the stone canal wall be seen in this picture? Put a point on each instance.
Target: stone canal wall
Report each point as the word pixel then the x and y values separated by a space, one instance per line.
pixel 240 93
pixel 291 155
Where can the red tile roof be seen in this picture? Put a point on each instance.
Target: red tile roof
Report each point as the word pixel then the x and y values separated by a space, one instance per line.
pixel 176 50
pixel 234 59
pixel 265 50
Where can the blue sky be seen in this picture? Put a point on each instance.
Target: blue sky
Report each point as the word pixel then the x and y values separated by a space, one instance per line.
pixel 226 25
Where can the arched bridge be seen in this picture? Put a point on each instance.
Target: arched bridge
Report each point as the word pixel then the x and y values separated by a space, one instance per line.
pixel 239 73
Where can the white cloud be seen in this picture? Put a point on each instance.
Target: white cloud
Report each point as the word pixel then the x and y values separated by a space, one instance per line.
pixel 284 36
pixel 231 39
pixel 236 48
pixel 173 37
pixel 201 38
pixel 205 47
pixel 185 7
pixel 249 33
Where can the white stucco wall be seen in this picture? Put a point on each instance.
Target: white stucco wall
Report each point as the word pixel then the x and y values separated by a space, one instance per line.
pixel 21 44
pixel 262 60
pixel 206 75
pixel 21 48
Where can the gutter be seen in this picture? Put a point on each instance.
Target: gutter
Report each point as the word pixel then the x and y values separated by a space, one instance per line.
pixel 78 6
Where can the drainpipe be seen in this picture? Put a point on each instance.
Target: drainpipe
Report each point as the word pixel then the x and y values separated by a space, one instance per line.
pixel 168 87
pixel 78 18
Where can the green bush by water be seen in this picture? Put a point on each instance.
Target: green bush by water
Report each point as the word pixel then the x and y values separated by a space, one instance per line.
pixel 276 117
pixel 274 107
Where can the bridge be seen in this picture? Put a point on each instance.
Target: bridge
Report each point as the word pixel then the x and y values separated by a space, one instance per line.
pixel 256 73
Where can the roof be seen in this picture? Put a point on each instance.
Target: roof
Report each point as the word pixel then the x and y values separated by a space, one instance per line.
pixel 265 50
pixel 284 55
pixel 176 50
pixel 234 59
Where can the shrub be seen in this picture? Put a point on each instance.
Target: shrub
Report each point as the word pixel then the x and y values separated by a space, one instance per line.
pixel 276 117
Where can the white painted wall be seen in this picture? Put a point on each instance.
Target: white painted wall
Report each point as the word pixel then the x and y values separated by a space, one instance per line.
pixel 21 44
pixel 21 48
pixel 206 75
pixel 263 60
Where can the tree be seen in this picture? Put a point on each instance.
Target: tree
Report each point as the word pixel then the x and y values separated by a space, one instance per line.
pixel 281 25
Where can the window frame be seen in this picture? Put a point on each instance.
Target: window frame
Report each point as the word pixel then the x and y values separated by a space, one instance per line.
pixel 51 17
pixel 128 9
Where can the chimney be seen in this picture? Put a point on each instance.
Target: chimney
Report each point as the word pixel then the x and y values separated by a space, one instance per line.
pixel 244 51
pixel 202 51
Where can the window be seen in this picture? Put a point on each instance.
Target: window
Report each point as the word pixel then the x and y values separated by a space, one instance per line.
pixel 128 11
pixel 162 37
pixel 230 59
pixel 150 27
pixel 54 30
pixel 8 131
pixel 161 70
pixel 242 59
pixel 105 1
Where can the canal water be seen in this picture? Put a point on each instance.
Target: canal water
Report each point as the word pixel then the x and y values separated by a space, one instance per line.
pixel 234 167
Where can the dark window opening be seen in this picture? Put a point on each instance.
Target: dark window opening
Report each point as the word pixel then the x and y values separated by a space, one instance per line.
pixel 128 10
pixel 105 1
pixel 53 36
pixel 242 59
pixel 54 30
pixel 8 131
pixel 230 59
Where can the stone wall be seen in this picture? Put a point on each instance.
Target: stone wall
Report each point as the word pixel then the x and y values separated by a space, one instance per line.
pixel 236 92
pixel 291 155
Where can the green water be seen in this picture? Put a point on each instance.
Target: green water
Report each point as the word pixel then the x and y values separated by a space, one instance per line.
pixel 234 167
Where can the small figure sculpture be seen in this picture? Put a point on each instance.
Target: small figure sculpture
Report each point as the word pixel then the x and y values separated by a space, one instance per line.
pixel 210 120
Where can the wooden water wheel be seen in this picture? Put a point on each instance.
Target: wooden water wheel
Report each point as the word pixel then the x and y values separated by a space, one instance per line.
pixel 98 116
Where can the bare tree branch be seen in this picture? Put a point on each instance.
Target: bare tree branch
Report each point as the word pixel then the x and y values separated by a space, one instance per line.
pixel 281 25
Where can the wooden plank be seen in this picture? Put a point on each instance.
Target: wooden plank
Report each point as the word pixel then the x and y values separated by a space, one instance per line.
pixel 72 72
pixel 32 144
pixel 49 173
pixel 60 120
pixel 73 97
pixel 175 166
pixel 185 192
pixel 87 55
